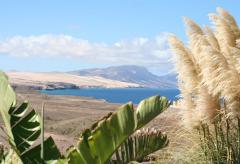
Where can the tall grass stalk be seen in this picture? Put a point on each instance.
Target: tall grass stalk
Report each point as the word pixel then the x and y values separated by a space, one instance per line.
pixel 220 141
pixel 42 133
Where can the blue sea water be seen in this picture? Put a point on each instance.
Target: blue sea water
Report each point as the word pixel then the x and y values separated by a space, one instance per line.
pixel 134 95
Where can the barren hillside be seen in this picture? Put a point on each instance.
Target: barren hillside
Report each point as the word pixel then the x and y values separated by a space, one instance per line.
pixel 63 80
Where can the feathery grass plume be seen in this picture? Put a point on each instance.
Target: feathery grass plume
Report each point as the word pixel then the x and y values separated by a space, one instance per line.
pixel 217 76
pixel 185 65
pixel 188 106
pixel 224 32
pixel 238 43
pixel 187 76
pixel 211 38
pixel 220 78
pixel 225 36
pixel 194 36
pixel 236 55
pixel 207 106
pixel 231 21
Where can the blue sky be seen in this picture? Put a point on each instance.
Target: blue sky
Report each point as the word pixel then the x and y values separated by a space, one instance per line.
pixel 60 35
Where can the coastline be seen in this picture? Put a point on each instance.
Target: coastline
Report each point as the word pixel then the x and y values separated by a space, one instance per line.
pixel 51 80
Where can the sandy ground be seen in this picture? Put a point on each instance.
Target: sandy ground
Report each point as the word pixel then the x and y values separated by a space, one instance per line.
pixel 67 116
pixel 42 79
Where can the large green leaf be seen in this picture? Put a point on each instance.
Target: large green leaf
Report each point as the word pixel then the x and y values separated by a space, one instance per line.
pixel 96 145
pixel 74 156
pixel 150 108
pixel 25 126
pixel 7 100
pixel 26 130
pixel 33 155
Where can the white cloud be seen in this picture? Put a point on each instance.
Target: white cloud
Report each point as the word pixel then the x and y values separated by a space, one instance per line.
pixel 153 53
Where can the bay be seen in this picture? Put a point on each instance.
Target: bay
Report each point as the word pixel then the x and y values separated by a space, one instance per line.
pixel 117 95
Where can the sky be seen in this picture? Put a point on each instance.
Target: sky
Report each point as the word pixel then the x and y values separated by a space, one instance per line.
pixel 60 35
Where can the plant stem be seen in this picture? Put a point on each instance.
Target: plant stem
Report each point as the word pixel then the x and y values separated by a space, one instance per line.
pixel 42 134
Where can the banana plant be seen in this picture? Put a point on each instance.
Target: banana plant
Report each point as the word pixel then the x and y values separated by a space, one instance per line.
pixel 22 126
pixel 139 145
pixel 97 144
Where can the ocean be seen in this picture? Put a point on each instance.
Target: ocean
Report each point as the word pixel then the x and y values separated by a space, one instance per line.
pixel 117 95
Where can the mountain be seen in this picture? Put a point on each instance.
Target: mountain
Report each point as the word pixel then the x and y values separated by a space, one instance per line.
pixel 131 74
pixel 171 77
